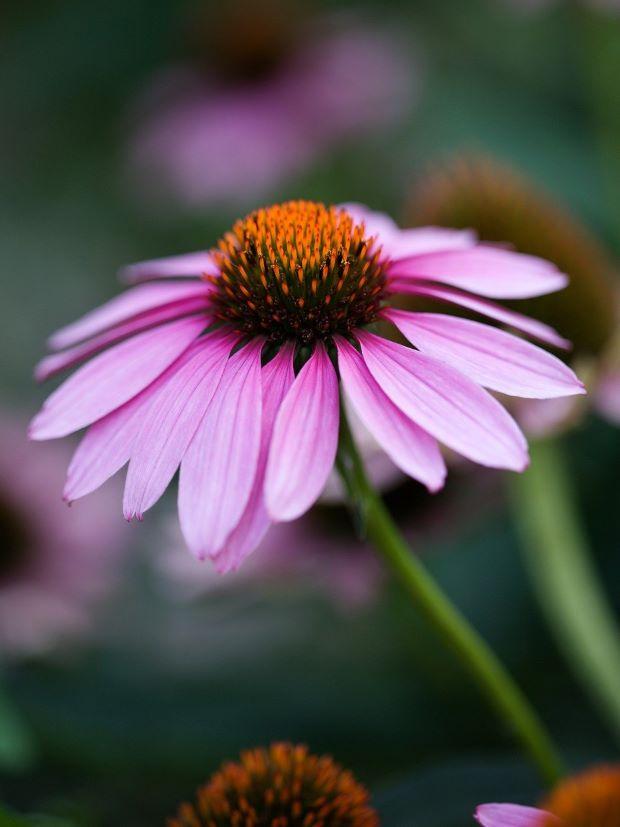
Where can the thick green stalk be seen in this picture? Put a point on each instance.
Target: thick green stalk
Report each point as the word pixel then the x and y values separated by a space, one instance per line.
pixel 566 582
pixel 475 655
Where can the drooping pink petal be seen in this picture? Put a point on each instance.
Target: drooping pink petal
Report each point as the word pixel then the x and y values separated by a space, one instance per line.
pixel 171 419
pixel 446 404
pixel 513 815
pixel 277 378
pixel 105 448
pixel 219 467
pixel 128 305
pixel 538 330
pixel 488 271
pixel 491 357
pixel 57 362
pixel 398 243
pixel 187 265
pixel 113 378
pixel 410 448
pixel 305 438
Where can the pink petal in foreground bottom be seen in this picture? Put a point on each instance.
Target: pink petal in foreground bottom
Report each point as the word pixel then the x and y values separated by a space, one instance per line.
pixel 513 815
pixel 305 438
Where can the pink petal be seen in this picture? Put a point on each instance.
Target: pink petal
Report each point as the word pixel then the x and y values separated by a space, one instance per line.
pixel 491 357
pixel 488 271
pixel 113 378
pixel 532 327
pixel 398 243
pixel 410 448
pixel 445 403
pixel 305 438
pixel 512 815
pixel 277 378
pixel 172 417
pixel 105 448
pixel 57 362
pixel 189 264
pixel 128 305
pixel 218 469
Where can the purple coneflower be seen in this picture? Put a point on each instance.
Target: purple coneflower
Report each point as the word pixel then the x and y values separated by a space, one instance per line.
pixel 229 363
pixel 54 563
pixel 591 798
pixel 282 785
pixel 263 93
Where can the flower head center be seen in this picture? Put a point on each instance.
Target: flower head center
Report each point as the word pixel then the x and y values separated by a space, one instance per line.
pixel 591 799
pixel 282 786
pixel 298 270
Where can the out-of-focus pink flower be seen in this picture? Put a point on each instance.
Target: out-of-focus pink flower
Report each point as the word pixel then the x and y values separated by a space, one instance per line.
pixel 206 138
pixel 250 409
pixel 319 551
pixel 55 562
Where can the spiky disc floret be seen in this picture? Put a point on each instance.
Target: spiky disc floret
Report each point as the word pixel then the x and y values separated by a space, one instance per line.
pixel 298 270
pixel 283 786
pixel 591 799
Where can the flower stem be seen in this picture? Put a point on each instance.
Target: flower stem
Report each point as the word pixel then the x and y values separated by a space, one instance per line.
pixel 474 654
pixel 569 590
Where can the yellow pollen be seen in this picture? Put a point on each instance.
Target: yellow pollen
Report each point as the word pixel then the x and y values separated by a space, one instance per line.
pixel 298 270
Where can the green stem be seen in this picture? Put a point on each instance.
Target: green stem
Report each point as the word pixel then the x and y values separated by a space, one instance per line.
pixel 475 655
pixel 567 584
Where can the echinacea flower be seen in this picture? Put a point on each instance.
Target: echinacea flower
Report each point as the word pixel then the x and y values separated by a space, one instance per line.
pixel 504 206
pixel 229 365
pixel 55 563
pixel 264 92
pixel 590 799
pixel 282 785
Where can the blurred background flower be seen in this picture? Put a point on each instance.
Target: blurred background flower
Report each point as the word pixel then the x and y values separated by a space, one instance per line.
pixel 503 206
pixel 266 88
pixel 55 562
